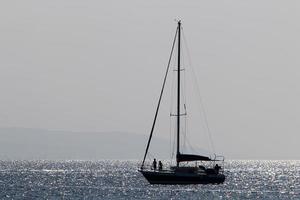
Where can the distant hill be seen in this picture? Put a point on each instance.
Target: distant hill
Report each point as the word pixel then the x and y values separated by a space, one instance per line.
pixel 25 143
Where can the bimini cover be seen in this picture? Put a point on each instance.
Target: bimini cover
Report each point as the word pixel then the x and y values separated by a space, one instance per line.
pixel 191 157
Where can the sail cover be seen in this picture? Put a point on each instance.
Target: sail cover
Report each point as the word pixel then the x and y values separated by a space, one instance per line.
pixel 191 157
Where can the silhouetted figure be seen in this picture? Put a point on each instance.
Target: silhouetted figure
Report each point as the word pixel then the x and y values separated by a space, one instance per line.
pixel 217 168
pixel 160 165
pixel 154 164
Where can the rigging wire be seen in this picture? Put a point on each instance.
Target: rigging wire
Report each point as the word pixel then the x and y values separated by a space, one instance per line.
pixel 184 101
pixel 199 95
pixel 187 144
pixel 160 97
pixel 173 125
pixel 172 139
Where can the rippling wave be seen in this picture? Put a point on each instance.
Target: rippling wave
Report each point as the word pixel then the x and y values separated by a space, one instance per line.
pixel 120 180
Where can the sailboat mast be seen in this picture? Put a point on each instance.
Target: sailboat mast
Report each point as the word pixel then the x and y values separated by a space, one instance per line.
pixel 178 93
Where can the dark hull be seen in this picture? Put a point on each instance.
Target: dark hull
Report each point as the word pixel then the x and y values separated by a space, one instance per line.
pixel 171 177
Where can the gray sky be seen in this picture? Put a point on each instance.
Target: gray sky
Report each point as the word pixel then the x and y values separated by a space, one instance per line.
pixel 98 66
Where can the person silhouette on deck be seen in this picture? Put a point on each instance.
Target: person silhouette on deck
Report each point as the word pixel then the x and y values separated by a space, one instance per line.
pixel 160 165
pixel 217 168
pixel 154 164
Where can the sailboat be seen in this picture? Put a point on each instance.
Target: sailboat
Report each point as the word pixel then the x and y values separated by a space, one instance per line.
pixel 183 172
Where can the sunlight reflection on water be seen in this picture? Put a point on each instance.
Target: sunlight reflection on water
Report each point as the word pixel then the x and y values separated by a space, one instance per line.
pixel 120 180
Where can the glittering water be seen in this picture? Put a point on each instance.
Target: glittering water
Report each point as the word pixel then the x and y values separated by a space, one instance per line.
pixel 120 180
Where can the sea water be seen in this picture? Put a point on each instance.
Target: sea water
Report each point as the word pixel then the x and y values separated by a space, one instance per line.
pixel 121 180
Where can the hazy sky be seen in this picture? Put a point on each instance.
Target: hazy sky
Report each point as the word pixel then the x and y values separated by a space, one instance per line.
pixel 98 66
